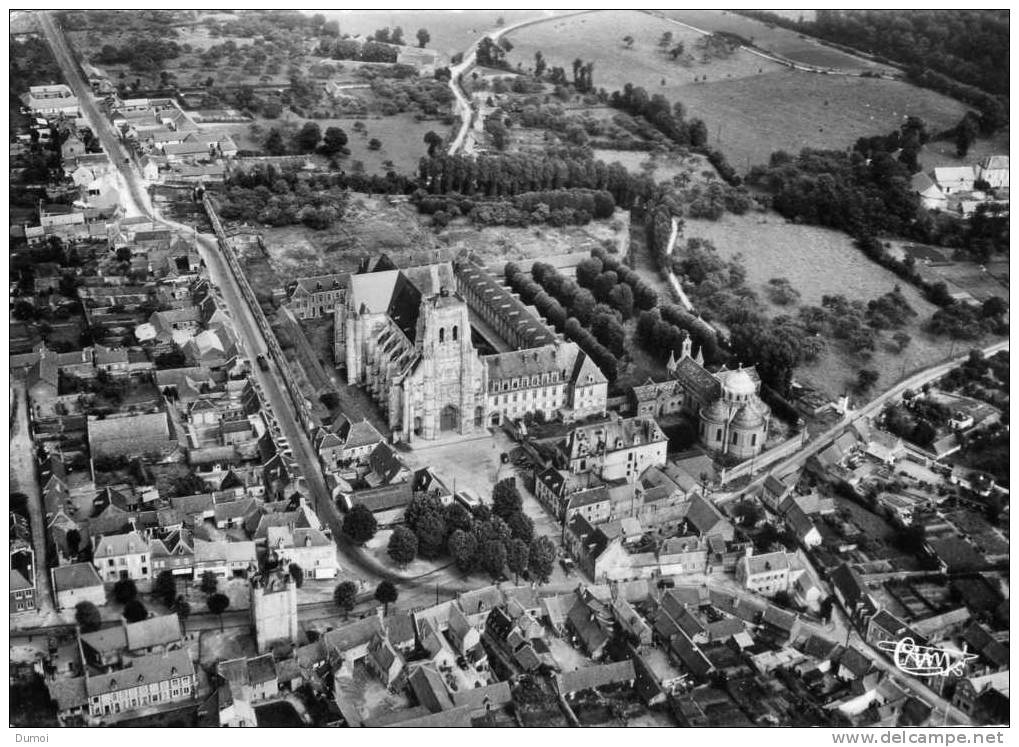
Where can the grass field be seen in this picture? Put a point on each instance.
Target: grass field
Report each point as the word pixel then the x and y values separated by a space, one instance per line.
pixel 451 31
pixel 752 107
pixel 751 118
pixel 598 38
pixel 818 261
pixel 943 153
pixel 783 42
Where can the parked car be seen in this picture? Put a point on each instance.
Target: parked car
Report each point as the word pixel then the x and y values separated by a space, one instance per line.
pixel 262 362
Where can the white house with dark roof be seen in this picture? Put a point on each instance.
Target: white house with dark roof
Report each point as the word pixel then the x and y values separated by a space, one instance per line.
pixel 120 556
pixel 308 547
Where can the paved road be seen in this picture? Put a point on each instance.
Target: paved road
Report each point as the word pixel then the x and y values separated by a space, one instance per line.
pixel 822 441
pixel 24 479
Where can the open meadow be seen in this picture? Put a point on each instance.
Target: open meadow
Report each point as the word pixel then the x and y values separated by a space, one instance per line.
pixel 451 31
pixel 752 107
pixel 818 262
pixel 783 42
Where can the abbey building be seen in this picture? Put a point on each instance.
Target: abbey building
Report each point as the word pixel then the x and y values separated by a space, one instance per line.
pixel 446 349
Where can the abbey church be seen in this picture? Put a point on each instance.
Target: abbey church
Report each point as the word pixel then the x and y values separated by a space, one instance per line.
pixel 405 335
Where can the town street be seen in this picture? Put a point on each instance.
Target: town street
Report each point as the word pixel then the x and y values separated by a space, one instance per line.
pixel 24 480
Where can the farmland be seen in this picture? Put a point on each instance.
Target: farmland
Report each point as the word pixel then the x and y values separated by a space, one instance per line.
pixel 752 107
pixel 782 42
pixel 817 262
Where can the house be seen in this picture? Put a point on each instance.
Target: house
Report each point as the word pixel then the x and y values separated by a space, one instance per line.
pixel 358 439
pixel 630 621
pixel 955 555
pixel 802 527
pixel 429 689
pixel 115 646
pixel 462 634
pixel 593 677
pixel 705 518
pixel 151 679
pixel 121 556
pixel 953 179
pixel 70 697
pixel 384 660
pixel 583 621
pixel 851 592
pixel 596 555
pixel 225 559
pixel 51 100
pixel 620 448
pixel 313 297
pixel 308 547
pixel 22 592
pixel 993 653
pixel 78 582
pixel 930 194
pixel 131 435
pixel 971 690
pixel 994 171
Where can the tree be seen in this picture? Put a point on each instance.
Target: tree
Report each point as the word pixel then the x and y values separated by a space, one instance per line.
pixel 423 38
pixel 374 144
pixel 517 557
pixel 866 378
pixel 403 546
pixel 387 594
pixel 360 524
pixel 521 525
pixel 334 141
pixel 433 140
pixel 628 41
pixel 397 36
pixel 493 557
pixel 462 546
pixel 274 145
pixel 134 611
pixel 165 588
pixel 296 573
pixel 73 539
pixel 87 616
pixel 183 610
pixel 539 64
pixel 541 558
pixel 125 590
pixel 308 137
pixel 431 533
pixel 748 513
pixel 218 604
pixel 209 583
pixel 506 499
pixel 345 597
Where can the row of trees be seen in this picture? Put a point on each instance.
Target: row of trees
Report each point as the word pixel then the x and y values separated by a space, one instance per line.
pixel 554 208
pixel 574 311
pixel 602 271
pixel 670 119
pixel 517 173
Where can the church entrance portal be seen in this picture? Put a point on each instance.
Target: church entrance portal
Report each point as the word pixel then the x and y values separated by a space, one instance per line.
pixel 449 419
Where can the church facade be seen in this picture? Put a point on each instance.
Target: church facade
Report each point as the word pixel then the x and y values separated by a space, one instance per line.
pixel 406 337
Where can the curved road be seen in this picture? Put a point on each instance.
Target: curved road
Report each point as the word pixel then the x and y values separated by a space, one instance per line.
pixel 469 57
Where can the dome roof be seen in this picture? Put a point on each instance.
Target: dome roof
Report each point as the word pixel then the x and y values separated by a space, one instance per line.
pixel 716 412
pixel 738 383
pixel 747 417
